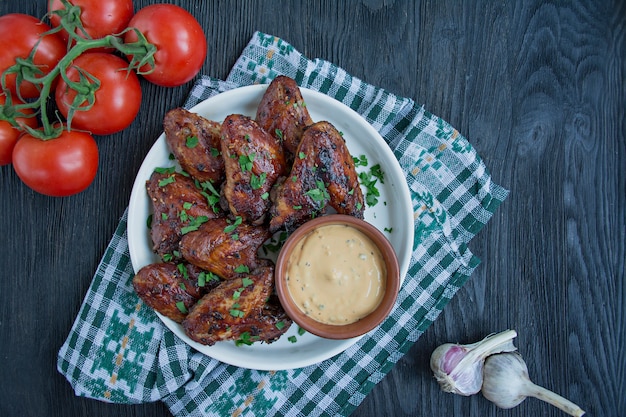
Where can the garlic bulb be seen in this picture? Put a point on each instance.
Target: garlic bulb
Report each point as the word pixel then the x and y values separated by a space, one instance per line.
pixel 506 384
pixel 459 368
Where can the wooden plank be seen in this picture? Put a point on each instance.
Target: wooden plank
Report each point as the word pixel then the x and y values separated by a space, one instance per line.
pixel 537 87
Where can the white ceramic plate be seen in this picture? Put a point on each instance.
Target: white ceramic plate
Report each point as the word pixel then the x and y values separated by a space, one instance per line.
pixel 393 212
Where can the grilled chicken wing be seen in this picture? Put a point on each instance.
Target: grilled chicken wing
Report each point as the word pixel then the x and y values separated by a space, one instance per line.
pixel 177 203
pixel 253 162
pixel 322 174
pixel 235 308
pixel 271 323
pixel 164 286
pixel 224 247
pixel 283 114
pixel 195 142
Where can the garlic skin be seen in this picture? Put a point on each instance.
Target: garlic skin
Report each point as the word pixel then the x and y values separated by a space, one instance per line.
pixel 459 368
pixel 506 384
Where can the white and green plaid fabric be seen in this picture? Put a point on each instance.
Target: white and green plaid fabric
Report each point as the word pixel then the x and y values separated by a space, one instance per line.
pixel 119 351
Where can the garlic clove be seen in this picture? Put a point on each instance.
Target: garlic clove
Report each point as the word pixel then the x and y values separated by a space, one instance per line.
pixel 459 368
pixel 506 384
pixel 443 362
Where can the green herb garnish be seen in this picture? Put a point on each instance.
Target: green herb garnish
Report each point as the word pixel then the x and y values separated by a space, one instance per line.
pixel 257 182
pixel 183 270
pixel 165 170
pixel 320 193
pixel 235 312
pixel 167 180
pixel 194 224
pixel 231 227
pixel 360 161
pixel 191 141
pixel 181 307
pixel 377 172
pixel 246 339
pixel 369 182
pixel 241 269
pixel 245 162
pixel 210 193
pixel 205 276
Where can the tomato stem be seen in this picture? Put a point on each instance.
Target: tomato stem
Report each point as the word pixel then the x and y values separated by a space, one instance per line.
pixel 141 53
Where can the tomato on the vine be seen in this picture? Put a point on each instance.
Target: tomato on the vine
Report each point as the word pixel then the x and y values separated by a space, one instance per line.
pixel 57 167
pixel 19 34
pixel 117 100
pixel 98 17
pixel 179 39
pixel 9 134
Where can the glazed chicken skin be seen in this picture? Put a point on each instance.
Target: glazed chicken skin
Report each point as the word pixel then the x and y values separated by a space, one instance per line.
pixel 195 142
pixel 253 161
pixel 271 323
pixel 224 247
pixel 236 307
pixel 163 285
pixel 283 113
pixel 177 205
pixel 323 174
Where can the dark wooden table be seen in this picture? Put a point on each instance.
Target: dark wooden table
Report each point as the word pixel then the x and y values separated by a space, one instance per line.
pixel 538 88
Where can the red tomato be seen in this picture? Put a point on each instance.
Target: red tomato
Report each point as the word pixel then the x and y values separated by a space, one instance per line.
pixel 10 134
pixel 57 167
pixel 117 100
pixel 180 41
pixel 99 17
pixel 19 34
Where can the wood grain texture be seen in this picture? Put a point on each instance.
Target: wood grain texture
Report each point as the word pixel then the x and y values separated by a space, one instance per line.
pixel 537 87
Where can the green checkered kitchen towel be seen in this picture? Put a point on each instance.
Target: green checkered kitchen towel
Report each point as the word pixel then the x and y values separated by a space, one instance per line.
pixel 119 351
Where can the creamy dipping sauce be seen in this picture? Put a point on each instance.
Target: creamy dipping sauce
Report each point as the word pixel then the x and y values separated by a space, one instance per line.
pixel 336 275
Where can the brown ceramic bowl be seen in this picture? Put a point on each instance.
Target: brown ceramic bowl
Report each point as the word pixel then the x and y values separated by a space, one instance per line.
pixel 361 326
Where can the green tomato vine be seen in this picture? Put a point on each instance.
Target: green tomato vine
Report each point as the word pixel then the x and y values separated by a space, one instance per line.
pixel 141 55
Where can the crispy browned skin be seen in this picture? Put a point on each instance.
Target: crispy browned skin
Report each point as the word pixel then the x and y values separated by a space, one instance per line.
pixel 270 324
pixel 282 108
pixel 222 251
pixel 162 285
pixel 195 142
pixel 322 174
pixel 253 162
pixel 236 307
pixel 176 203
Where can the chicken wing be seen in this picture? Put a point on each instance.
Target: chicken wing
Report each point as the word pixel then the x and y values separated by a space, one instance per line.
pixel 171 289
pixel 195 142
pixel 224 247
pixel 253 162
pixel 232 309
pixel 178 206
pixel 323 174
pixel 283 114
pixel 267 326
